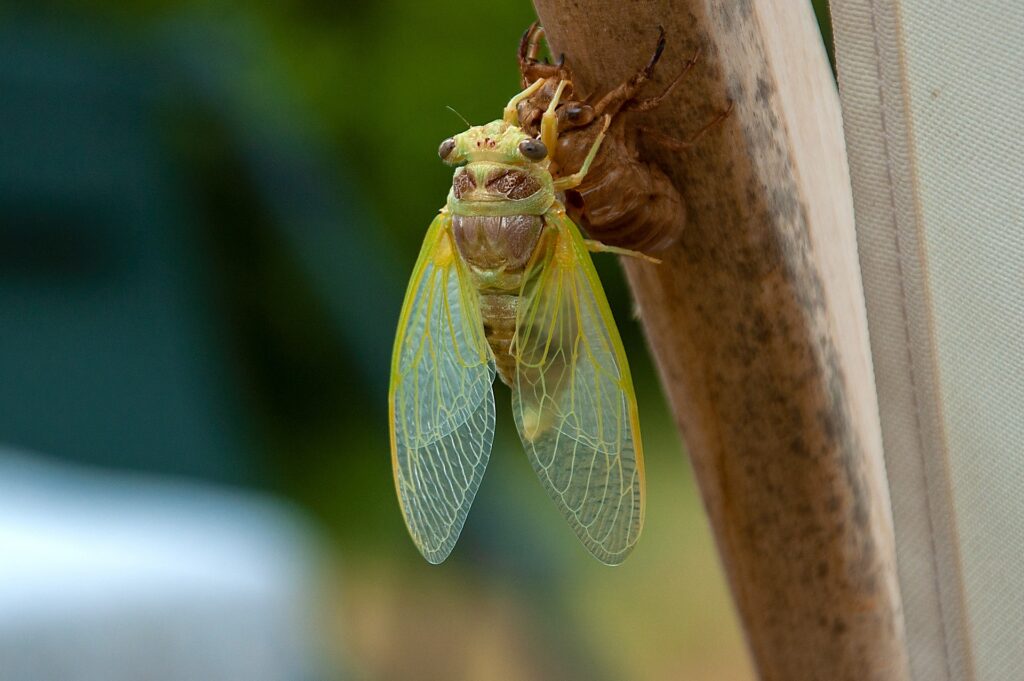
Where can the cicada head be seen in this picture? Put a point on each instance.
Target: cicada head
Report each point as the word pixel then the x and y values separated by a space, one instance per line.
pixel 498 142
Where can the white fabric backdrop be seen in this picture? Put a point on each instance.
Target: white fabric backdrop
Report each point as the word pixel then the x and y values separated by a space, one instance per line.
pixel 933 104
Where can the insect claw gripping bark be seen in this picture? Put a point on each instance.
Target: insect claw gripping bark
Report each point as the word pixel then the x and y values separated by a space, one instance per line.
pixel 530 67
pixel 649 103
pixel 659 48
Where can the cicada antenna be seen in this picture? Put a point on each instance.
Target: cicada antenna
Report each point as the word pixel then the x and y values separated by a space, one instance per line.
pixel 468 124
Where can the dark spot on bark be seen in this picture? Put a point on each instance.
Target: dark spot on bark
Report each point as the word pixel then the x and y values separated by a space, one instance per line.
pixel 839 627
pixel 764 90
pixel 829 425
pixel 737 91
pixel 870 582
pixel 867 561
pixel 725 14
pixel 860 511
pixel 761 328
pixel 784 205
pixel 752 195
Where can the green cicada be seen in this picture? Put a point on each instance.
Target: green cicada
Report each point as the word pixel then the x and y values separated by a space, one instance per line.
pixel 504 284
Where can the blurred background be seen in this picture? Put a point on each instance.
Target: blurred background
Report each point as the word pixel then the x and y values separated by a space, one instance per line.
pixel 208 212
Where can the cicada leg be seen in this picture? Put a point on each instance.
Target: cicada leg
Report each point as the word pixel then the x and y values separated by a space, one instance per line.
pixel 649 103
pixel 511 114
pixel 623 98
pixel 570 181
pixel 549 121
pixel 598 247
pixel 529 45
pixel 530 66
pixel 683 145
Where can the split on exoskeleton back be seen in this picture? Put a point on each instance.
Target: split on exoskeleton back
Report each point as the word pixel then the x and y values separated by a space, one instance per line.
pixel 624 201
pixel 548 130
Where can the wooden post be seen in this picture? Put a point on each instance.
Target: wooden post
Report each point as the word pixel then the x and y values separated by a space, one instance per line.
pixel 757 323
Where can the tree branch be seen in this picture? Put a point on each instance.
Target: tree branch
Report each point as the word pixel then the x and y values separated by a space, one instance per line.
pixel 757 322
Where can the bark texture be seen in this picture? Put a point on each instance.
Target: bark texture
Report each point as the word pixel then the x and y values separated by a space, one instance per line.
pixel 756 320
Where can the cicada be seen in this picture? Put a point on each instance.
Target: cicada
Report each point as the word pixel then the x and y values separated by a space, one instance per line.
pixel 505 285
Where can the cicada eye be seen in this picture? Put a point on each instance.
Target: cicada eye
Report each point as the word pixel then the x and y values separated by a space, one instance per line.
pixel 533 149
pixel 446 148
pixel 579 114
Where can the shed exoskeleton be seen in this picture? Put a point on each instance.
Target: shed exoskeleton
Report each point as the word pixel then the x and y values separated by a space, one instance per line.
pixel 623 201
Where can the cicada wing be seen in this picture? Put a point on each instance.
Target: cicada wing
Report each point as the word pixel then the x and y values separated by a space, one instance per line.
pixel 573 397
pixel 441 402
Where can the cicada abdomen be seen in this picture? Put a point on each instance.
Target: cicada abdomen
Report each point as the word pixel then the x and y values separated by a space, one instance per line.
pixel 497 249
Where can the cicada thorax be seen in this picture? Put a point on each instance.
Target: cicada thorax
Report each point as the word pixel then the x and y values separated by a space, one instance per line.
pixel 497 248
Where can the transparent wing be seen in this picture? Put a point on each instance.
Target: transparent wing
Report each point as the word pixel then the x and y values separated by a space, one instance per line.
pixel 441 403
pixel 573 397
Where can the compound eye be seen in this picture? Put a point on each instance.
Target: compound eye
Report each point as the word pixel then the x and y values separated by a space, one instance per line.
pixel 533 149
pixel 446 148
pixel 579 115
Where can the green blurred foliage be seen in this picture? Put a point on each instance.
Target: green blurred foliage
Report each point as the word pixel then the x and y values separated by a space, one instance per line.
pixel 821 11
